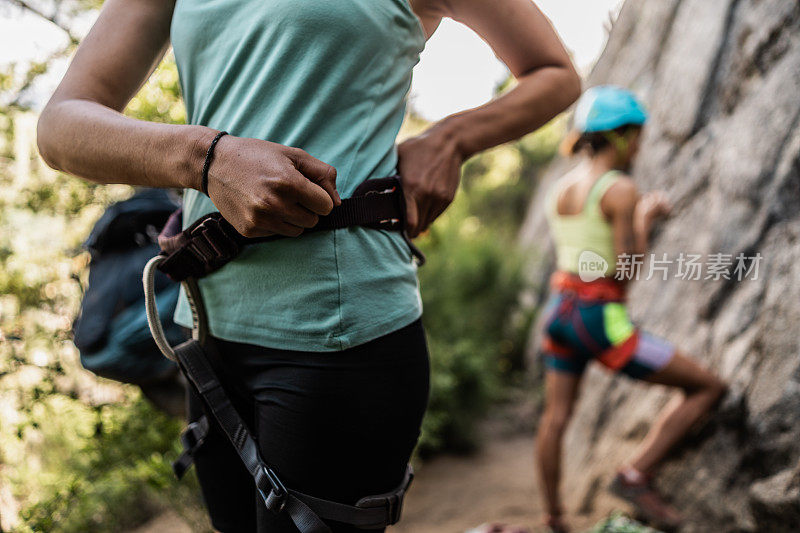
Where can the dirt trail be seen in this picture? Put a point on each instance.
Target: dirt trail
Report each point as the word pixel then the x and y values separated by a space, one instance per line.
pixel 454 493
pixel 168 522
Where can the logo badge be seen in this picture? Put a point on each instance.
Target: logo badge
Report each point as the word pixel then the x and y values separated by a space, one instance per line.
pixel 591 266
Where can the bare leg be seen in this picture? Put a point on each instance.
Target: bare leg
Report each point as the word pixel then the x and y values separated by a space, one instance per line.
pixel 561 392
pixel 700 392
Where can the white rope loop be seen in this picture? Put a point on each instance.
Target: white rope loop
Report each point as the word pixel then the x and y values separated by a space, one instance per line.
pixel 153 320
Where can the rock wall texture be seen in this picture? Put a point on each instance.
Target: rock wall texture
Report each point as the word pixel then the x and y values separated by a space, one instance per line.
pixel 722 81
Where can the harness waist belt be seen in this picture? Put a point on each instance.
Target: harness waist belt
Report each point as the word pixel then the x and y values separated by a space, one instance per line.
pixel 211 242
pixel 602 289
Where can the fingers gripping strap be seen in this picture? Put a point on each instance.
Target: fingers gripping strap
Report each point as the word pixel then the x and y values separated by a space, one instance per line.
pixel 211 242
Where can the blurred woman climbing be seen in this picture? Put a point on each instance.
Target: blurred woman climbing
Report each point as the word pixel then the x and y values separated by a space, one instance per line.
pixel 597 215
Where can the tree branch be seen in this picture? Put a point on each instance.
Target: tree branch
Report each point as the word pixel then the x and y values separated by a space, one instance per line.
pixel 23 4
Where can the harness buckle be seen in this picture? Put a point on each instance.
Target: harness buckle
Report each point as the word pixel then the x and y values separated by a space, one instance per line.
pixel 395 193
pixel 391 223
pixel 392 501
pixel 191 439
pixel 211 244
pixel 194 435
pixel 275 500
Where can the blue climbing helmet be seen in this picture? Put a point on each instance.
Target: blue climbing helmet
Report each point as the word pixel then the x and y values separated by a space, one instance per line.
pixel 607 107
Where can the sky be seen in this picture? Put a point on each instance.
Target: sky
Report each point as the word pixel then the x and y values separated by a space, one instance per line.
pixel 457 70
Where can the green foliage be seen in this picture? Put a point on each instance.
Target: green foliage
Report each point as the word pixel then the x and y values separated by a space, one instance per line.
pixel 159 100
pixel 78 453
pixel 619 523
pixel 108 466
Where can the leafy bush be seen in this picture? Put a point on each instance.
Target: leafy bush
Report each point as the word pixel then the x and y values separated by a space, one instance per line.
pixel 469 289
pixel 76 452
pixel 107 468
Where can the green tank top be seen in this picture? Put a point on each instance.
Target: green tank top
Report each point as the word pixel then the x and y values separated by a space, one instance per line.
pixel 585 240
pixel 330 78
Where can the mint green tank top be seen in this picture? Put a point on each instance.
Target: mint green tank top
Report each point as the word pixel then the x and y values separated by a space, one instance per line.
pixel 575 236
pixel 330 77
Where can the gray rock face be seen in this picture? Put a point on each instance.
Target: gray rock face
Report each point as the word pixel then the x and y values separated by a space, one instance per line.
pixel 722 81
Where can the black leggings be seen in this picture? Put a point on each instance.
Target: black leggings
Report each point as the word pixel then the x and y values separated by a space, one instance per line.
pixel 337 425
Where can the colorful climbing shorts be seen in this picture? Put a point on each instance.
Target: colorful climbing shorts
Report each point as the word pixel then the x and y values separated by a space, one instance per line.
pixel 586 321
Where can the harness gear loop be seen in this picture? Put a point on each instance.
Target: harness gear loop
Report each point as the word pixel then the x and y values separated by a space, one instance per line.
pixel 191 439
pixel 206 246
pixel 153 321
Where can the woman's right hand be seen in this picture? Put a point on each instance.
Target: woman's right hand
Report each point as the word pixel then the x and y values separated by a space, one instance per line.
pixel 263 188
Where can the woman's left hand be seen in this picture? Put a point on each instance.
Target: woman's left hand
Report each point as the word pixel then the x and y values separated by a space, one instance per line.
pixel 653 205
pixel 523 38
pixel 430 167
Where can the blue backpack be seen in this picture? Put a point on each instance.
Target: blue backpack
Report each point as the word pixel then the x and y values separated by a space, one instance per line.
pixel 111 331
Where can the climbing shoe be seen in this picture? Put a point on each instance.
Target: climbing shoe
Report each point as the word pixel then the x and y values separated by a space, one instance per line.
pixel 647 501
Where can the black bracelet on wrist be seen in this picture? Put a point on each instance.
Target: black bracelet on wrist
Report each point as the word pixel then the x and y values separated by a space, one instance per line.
pixel 207 162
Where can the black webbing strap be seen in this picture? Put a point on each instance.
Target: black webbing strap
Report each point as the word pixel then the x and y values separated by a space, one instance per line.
pixel 371 512
pixel 211 242
pixel 191 439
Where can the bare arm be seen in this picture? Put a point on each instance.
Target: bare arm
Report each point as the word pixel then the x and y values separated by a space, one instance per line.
pixel 260 187
pixel 618 205
pixel 82 130
pixel 632 216
pixel 522 37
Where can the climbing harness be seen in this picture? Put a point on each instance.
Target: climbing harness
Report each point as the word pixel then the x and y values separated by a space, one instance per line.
pixel 602 289
pixel 206 246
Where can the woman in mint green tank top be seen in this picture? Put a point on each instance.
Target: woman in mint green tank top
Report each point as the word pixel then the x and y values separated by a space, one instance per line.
pixel 317 337
pixel 596 215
